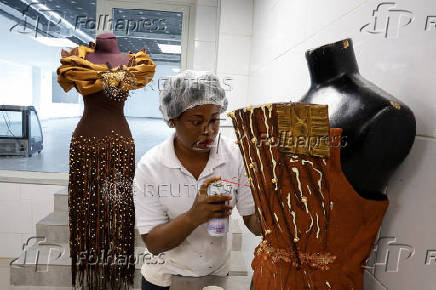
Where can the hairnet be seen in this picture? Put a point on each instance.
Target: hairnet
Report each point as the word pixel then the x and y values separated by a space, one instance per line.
pixel 189 89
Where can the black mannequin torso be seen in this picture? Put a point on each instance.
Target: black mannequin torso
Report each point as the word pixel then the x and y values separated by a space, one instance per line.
pixel 378 130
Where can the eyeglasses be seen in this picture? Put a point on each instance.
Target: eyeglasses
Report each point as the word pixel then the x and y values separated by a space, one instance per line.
pixel 200 124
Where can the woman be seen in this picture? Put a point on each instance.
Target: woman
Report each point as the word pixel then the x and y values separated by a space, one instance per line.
pixel 171 204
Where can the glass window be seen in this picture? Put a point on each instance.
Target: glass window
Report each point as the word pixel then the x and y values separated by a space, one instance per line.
pixel 35 128
pixel 160 33
pixel 36 32
pixel 59 96
pixel 11 124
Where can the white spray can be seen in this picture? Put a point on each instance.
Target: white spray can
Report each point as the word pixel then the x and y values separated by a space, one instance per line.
pixel 219 226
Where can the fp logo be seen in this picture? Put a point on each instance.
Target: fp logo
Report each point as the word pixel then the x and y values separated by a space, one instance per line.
pixel 387 256
pixel 388 21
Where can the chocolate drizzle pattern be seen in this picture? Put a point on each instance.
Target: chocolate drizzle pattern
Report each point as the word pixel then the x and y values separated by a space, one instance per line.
pixel 316 229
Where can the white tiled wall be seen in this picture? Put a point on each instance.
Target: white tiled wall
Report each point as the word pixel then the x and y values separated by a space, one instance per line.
pixel 204 55
pixel 205 35
pixel 207 19
pixel 232 53
pixel 410 221
pixel 282 30
pixel 235 30
pixel 21 207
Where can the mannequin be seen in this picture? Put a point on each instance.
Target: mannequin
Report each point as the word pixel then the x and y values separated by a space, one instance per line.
pixel 100 114
pixel 106 50
pixel 102 162
pixel 378 129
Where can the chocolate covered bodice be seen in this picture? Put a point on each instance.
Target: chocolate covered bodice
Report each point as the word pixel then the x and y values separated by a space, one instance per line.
pixel 104 89
pixel 317 230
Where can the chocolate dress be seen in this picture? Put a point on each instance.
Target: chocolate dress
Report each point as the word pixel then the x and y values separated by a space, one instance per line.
pixel 102 168
pixel 317 230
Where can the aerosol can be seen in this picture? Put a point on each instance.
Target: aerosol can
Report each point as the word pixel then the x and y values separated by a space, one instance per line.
pixel 219 226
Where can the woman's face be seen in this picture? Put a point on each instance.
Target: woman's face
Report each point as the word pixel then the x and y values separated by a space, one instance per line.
pixel 197 127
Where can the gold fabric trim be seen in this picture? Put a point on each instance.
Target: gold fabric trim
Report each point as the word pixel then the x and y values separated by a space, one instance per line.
pixel 303 128
pixel 76 71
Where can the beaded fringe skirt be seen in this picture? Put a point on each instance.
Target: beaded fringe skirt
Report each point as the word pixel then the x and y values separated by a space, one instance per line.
pixel 101 212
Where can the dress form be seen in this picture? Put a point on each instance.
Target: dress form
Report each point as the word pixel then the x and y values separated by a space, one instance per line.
pixel 102 115
pixel 107 51
pixel 378 129
pixel 316 229
pixel 102 163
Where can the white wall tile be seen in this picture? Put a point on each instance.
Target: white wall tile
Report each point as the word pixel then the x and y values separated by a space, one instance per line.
pixel 22 206
pixel 290 27
pixel 236 17
pixel 401 66
pixel 322 13
pixel 38 192
pixel 281 80
pixel 9 191
pixel 236 91
pixel 233 54
pixel 263 36
pixel 10 245
pixel 277 29
pixel 204 55
pixel 16 216
pixel 410 218
pixel 206 23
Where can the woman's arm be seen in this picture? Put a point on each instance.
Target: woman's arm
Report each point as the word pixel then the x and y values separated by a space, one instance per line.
pixel 253 224
pixel 169 235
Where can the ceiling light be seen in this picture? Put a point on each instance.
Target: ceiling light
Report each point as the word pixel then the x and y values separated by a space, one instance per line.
pixel 170 48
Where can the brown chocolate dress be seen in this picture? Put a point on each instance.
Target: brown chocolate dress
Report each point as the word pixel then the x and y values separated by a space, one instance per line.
pixel 317 230
pixel 102 168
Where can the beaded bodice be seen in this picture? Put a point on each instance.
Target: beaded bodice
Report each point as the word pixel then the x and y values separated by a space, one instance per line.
pixel 117 83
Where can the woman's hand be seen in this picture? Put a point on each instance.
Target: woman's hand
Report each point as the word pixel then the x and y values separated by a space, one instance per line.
pixel 205 207
pixel 169 235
